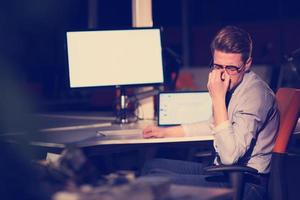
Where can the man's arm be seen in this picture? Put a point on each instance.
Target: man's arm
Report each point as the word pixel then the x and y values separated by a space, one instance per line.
pixel 217 90
pixel 233 139
pixel 193 129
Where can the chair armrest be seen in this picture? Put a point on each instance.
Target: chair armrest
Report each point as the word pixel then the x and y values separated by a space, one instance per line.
pixel 230 168
pixel 236 176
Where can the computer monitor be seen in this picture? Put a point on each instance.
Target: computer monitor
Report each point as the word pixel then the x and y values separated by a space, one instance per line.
pixel 114 57
pixel 183 107
pixel 127 57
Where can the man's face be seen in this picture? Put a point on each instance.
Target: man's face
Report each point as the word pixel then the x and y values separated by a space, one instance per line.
pixel 232 64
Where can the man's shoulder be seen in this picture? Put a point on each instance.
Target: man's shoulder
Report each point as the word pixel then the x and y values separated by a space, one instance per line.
pixel 255 85
pixel 254 88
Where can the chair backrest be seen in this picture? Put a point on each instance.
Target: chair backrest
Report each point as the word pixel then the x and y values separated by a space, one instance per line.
pixel 288 100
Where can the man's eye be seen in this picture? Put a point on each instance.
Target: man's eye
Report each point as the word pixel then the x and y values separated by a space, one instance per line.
pixel 231 68
pixel 218 67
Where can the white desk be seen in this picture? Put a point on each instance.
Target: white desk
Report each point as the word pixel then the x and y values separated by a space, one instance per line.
pixel 137 139
pixel 112 139
pixel 82 130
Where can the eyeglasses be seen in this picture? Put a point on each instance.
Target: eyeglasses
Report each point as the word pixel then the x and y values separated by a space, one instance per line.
pixel 230 69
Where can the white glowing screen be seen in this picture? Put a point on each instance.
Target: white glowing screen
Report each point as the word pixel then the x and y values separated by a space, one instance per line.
pixel 114 57
pixel 184 107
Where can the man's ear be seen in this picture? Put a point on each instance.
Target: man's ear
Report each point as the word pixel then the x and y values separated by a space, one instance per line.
pixel 248 64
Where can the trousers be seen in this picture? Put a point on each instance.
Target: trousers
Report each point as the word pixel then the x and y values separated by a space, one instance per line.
pixel 192 173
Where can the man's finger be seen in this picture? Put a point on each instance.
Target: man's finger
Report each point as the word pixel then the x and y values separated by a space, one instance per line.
pixel 226 77
pixel 216 75
pixel 226 80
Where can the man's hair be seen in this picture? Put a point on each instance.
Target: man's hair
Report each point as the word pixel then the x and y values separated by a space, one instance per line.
pixel 232 39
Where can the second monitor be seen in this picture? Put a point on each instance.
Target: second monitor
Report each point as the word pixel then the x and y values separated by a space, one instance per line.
pixel 183 107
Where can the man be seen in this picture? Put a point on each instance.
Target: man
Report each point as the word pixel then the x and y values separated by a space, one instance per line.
pixel 245 116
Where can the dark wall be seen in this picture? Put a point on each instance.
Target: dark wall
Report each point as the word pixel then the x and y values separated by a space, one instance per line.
pixel 273 25
pixel 32 37
pixel 32 32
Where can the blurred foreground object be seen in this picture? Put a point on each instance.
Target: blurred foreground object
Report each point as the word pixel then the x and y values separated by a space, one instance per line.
pixel 18 176
pixel 15 105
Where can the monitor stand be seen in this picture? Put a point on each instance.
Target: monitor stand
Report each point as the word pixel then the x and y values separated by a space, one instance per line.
pixel 125 114
pixel 122 112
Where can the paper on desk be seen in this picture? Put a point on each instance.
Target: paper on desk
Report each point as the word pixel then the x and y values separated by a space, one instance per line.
pixel 121 132
pixel 124 134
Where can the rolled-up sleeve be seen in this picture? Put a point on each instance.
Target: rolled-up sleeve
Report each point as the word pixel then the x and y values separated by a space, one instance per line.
pixel 199 128
pixel 233 138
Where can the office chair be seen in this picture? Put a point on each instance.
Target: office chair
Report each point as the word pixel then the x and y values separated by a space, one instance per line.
pixel 288 100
